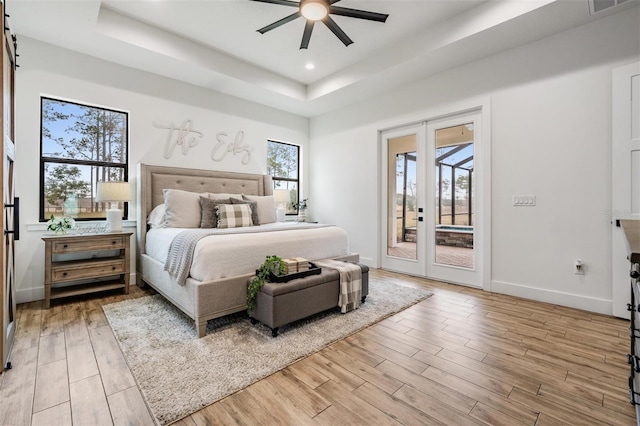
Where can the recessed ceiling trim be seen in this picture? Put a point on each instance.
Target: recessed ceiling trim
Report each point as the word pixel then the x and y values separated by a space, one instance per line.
pixel 140 34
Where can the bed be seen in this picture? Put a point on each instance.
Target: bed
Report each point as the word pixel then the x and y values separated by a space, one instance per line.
pixel 215 285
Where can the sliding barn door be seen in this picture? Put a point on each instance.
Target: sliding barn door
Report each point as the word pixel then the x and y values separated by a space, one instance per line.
pixel 10 210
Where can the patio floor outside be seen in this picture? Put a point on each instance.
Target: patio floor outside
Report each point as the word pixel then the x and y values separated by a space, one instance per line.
pixel 447 255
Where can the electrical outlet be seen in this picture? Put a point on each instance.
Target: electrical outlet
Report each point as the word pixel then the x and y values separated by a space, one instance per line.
pixel 578 267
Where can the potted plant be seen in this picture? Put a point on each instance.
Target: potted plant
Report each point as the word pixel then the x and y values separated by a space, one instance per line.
pixel 272 264
pixel 301 206
pixel 60 225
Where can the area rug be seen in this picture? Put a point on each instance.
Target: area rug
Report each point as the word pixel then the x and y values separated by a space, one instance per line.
pixel 180 374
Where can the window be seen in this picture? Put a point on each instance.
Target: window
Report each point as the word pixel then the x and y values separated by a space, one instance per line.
pixel 80 145
pixel 283 161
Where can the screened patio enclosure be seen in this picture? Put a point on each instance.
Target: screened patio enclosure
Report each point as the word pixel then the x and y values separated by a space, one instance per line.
pixel 454 183
pixel 406 196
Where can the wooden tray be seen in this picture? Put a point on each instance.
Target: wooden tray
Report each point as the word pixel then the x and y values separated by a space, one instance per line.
pixel 313 270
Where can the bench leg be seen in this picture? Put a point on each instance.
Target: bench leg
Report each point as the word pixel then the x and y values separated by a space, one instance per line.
pixel 274 332
pixel 201 328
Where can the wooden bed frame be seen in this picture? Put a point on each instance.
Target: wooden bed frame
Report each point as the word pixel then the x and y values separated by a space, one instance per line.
pixel 200 300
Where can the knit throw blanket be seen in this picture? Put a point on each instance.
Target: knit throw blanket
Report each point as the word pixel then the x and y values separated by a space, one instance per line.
pixel 178 262
pixel 350 283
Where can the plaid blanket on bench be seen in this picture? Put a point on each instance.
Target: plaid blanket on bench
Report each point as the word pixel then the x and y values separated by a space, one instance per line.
pixel 350 283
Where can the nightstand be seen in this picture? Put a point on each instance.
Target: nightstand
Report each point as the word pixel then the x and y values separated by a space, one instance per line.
pixel 87 263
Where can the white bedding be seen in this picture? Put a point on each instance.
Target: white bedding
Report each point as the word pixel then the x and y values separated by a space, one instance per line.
pixel 223 256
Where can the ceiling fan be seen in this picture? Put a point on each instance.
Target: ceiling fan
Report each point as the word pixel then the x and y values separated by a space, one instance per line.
pixel 319 10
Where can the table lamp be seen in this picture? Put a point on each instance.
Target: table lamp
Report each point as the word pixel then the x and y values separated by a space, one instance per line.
pixel 113 192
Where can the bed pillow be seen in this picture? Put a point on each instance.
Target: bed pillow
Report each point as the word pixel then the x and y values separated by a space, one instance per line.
pixel 208 211
pixel 234 215
pixel 254 209
pixel 183 208
pixel 157 216
pixel 266 207
pixel 223 196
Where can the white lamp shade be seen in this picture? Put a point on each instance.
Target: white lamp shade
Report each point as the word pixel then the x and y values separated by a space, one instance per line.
pixel 113 191
pixel 281 196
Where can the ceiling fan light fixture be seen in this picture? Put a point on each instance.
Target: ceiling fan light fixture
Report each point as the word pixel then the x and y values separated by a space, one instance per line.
pixel 314 10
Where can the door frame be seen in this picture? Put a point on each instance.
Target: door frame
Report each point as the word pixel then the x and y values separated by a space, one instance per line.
pixel 482 157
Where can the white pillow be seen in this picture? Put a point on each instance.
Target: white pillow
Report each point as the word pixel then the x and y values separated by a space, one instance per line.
pixel 157 216
pixel 266 207
pixel 183 208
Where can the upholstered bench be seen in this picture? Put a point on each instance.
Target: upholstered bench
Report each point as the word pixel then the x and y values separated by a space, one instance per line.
pixel 278 304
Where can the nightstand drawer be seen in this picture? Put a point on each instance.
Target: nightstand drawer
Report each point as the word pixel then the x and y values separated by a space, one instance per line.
pixel 71 271
pixel 82 245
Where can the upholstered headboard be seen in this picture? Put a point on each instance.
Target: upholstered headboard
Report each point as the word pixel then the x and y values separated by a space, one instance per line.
pixel 153 179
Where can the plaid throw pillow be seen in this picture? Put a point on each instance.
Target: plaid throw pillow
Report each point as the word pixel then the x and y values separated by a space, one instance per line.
pixel 233 215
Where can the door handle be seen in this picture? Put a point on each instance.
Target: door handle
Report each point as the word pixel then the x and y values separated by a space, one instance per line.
pixel 16 218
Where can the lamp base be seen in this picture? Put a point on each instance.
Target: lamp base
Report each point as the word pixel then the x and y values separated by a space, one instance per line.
pixel 114 220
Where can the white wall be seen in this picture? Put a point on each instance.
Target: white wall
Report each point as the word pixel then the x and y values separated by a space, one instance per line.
pixel 49 70
pixel 551 136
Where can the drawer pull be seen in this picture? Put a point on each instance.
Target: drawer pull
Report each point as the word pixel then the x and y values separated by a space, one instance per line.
pixel 64 274
pixel 65 245
pixel 114 242
pixel 113 268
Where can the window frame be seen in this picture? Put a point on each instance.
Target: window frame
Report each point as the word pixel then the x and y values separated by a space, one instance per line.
pixel 287 179
pixel 70 161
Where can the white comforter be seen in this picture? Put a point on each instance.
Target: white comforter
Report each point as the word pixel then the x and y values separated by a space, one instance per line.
pixel 223 256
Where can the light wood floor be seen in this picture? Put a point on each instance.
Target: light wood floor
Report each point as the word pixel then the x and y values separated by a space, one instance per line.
pixel 462 356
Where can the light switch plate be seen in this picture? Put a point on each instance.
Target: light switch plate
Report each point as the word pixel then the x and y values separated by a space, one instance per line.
pixel 524 200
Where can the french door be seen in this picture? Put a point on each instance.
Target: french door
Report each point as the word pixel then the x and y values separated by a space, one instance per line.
pixel 432 191
pixel 402 207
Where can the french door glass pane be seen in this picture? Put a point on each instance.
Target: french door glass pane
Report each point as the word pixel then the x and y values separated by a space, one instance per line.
pixel 402 192
pixel 454 196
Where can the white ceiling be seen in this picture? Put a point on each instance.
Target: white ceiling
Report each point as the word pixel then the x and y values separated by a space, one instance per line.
pixel 214 43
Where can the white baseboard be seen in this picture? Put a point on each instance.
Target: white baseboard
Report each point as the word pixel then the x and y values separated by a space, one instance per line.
pixel 586 303
pixel 29 295
pixel 32 294
pixel 367 261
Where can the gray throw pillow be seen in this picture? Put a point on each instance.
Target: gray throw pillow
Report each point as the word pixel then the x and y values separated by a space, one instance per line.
pixel 254 209
pixel 208 211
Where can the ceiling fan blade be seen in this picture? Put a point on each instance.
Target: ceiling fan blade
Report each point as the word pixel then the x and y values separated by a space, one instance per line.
pixel 355 13
pixel 280 2
pixel 280 22
pixel 331 24
pixel 306 35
